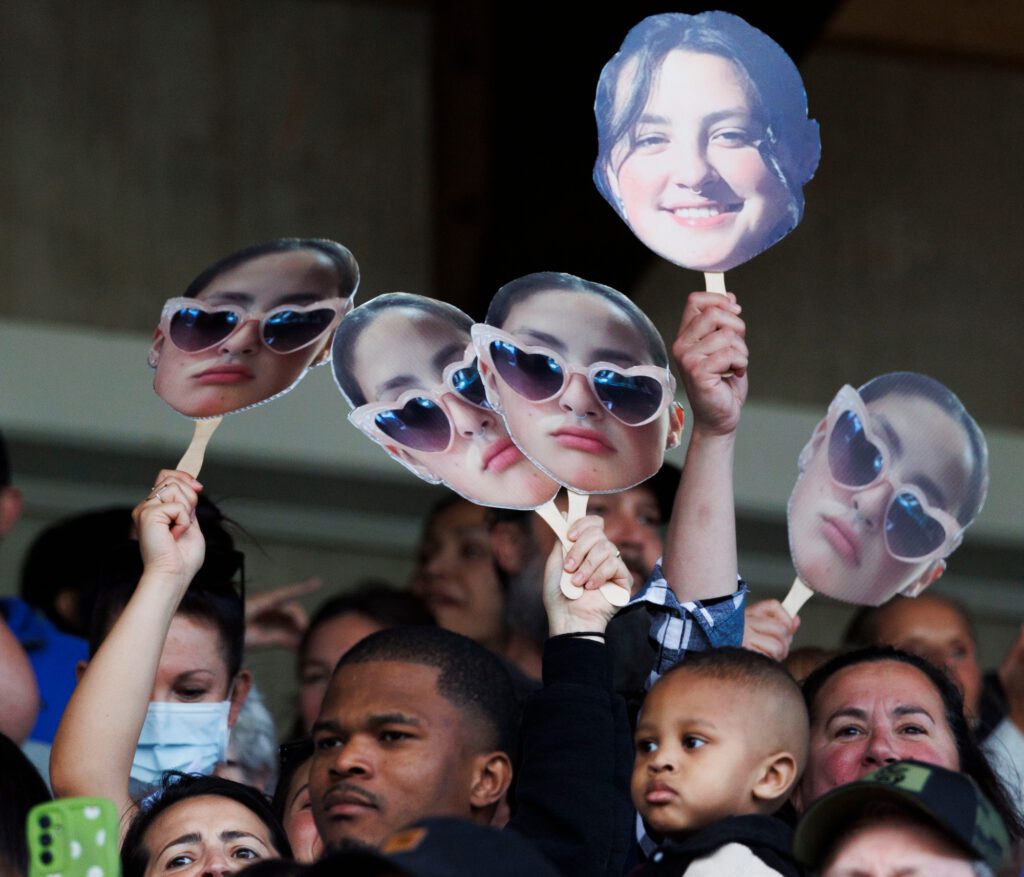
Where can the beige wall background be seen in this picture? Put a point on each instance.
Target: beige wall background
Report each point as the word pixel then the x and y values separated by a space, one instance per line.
pixel 140 141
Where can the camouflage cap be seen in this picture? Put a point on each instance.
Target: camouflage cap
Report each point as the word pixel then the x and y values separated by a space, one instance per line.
pixel 948 799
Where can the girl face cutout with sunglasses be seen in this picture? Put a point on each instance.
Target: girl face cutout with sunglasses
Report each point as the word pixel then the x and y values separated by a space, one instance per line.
pixel 250 335
pixel 406 365
pixel 888 483
pixel 581 378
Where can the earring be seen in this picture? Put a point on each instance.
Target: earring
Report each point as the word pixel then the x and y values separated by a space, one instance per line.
pixel 152 359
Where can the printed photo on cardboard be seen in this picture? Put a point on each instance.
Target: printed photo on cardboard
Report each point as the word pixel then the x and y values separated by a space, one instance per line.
pixel 704 144
pixel 251 325
pixel 889 481
pixel 581 378
pixel 407 367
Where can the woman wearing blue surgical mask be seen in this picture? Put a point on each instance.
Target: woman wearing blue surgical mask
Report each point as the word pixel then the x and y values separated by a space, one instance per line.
pixel 164 682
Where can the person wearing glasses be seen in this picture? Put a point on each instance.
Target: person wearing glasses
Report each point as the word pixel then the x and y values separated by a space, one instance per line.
pixel 406 366
pixel 888 483
pixel 251 325
pixel 581 377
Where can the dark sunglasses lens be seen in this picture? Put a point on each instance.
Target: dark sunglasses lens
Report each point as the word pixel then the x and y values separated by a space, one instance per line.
pixel 853 459
pixel 420 425
pixel 194 329
pixel 630 399
pixel 286 331
pixel 533 376
pixel 910 530
pixel 469 385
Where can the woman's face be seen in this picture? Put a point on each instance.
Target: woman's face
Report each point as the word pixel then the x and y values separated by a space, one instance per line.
pixel 328 641
pixel 298 818
pixel 837 534
pixel 192 668
pixel 209 834
pixel 573 437
pixel 691 180
pixel 455 574
pixel 869 715
pixel 407 349
pixel 241 371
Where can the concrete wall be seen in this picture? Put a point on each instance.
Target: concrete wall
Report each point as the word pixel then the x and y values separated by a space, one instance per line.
pixel 142 140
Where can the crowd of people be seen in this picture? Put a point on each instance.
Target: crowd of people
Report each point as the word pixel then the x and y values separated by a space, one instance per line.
pixel 481 710
pixel 476 719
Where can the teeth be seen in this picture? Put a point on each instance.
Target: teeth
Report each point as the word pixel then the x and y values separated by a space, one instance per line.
pixel 696 212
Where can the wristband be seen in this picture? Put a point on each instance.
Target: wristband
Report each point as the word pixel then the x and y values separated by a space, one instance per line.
pixel 578 634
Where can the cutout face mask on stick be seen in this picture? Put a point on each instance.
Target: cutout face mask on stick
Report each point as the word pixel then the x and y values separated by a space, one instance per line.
pixel 888 483
pixel 249 327
pixel 581 378
pixel 704 144
pixel 406 365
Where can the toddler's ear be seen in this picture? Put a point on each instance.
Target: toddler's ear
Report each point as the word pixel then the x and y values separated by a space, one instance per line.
pixel 777 774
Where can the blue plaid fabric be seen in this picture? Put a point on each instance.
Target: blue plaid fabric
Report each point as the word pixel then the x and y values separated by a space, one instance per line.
pixel 694 626
pixel 678 628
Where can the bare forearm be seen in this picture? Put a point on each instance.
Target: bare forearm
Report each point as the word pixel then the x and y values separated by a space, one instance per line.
pixel 19 695
pixel 95 742
pixel 700 551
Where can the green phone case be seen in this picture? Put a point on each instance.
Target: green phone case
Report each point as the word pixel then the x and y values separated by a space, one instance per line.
pixel 73 837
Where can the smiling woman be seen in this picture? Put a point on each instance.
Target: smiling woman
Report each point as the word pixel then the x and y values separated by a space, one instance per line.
pixel 250 326
pixel 871 707
pixel 202 825
pixel 704 140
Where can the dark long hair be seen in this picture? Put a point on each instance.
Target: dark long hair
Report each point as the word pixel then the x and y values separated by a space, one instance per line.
pixel 178 787
pixel 342 258
pixel 792 145
pixel 972 759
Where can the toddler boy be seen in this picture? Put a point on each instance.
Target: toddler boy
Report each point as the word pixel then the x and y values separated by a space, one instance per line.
pixel 720 742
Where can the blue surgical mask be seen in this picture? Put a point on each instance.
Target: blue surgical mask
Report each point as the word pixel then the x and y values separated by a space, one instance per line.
pixel 190 737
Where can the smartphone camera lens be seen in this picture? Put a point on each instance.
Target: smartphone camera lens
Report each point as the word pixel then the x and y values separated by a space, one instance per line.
pixel 44 821
pixel 45 840
pixel 46 857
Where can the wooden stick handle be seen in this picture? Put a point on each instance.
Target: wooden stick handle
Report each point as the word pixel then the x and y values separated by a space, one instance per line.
pixel 192 461
pixel 560 525
pixel 715 281
pixel 798 594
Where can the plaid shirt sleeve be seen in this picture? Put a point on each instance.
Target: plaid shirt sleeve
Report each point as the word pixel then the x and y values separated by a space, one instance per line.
pixel 694 626
pixel 678 628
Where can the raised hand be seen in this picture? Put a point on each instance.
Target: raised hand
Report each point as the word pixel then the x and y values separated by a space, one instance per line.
pixel 712 355
pixel 276 617
pixel 769 629
pixel 170 540
pixel 711 351
pixel 594 561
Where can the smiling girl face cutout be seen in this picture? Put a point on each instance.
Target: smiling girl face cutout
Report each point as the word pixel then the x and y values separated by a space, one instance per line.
pixel 581 377
pixel 406 365
pixel 250 326
pixel 888 483
pixel 704 140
